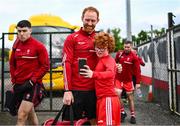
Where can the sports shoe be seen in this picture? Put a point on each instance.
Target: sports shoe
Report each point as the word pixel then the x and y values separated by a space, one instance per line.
pixel 123 116
pixel 133 120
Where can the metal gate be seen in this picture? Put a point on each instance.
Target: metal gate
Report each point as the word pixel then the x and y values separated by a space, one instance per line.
pixel 54 42
pixel 173 44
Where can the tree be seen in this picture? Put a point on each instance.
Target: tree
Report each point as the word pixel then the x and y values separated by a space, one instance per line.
pixel 135 39
pixel 159 33
pixel 141 37
pixel 144 36
pixel 117 37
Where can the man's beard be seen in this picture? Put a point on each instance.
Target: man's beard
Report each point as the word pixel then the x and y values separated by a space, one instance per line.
pixel 127 51
pixel 89 28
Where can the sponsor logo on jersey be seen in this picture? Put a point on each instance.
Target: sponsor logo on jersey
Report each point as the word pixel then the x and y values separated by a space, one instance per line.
pixel 81 43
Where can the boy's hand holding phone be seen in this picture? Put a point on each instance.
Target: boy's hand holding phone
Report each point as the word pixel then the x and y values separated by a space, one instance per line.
pixel 81 64
pixel 84 69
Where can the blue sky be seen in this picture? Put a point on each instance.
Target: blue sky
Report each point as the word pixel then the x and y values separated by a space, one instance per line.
pixel 112 12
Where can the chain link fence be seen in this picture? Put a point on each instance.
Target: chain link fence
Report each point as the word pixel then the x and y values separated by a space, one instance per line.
pixel 162 59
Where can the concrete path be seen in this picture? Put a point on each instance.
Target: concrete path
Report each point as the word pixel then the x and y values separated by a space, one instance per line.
pixel 147 114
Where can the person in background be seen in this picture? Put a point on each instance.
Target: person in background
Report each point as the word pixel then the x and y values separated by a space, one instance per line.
pixel 28 64
pixel 123 94
pixel 78 90
pixel 130 65
pixel 108 104
pixel 134 50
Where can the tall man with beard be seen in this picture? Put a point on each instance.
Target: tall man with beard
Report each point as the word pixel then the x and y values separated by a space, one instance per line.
pixel 80 91
pixel 130 65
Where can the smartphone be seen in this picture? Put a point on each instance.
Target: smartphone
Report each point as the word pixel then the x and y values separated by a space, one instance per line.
pixel 81 63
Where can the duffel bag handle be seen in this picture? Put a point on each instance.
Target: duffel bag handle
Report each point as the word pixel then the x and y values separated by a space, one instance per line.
pixel 60 112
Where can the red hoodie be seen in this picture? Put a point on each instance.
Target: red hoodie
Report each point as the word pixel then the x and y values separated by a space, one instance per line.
pixel 29 61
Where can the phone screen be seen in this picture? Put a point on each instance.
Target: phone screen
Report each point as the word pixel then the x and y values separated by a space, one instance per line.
pixel 81 63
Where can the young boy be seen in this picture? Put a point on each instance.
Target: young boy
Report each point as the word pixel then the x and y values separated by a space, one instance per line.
pixel 108 104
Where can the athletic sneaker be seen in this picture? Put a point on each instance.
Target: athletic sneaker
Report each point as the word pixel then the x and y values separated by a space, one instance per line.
pixel 133 120
pixel 123 116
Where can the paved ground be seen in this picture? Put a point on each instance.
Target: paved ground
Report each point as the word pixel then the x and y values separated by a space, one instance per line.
pixel 147 114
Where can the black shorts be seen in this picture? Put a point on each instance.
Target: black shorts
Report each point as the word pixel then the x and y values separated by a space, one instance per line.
pixel 84 105
pixel 30 95
pixel 134 80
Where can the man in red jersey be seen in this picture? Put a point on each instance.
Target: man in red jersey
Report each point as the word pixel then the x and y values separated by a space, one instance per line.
pixel 80 91
pixel 108 104
pixel 28 64
pixel 130 65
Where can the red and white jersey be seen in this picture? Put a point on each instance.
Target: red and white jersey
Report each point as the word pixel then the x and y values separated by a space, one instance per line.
pixel 78 45
pixel 130 66
pixel 28 61
pixel 104 76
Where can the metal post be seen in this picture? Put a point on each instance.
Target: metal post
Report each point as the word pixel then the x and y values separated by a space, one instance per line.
pixel 51 72
pixel 150 97
pixel 2 75
pixel 128 15
pixel 170 20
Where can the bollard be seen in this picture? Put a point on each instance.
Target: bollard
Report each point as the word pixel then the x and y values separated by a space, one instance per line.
pixel 150 94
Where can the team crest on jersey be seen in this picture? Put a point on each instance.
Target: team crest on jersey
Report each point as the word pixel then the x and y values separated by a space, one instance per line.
pixel 81 43
pixel 28 51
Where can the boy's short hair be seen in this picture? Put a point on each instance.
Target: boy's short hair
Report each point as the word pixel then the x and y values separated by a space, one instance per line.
pixel 23 23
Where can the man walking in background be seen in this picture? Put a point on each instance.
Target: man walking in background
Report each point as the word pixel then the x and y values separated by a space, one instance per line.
pixel 28 64
pixel 130 65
